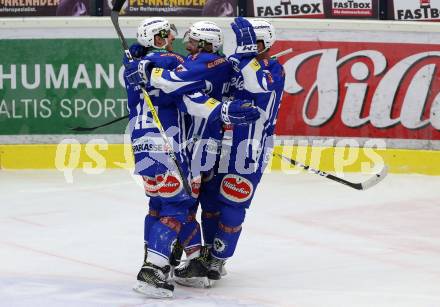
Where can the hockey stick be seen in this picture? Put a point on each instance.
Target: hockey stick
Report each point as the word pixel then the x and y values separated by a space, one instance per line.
pixel 281 53
pixel 375 179
pixel 96 127
pixel 114 15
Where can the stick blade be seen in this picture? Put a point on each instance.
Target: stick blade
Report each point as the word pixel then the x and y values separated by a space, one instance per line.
pixel 375 179
pixel 81 129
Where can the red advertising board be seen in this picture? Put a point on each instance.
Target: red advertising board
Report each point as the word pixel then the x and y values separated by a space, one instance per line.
pixel 282 8
pixel 364 9
pixel 422 10
pixel 356 89
pixel 352 8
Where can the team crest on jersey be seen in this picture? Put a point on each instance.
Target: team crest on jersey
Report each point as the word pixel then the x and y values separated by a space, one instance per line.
pixel 219 245
pixel 236 188
pixel 171 187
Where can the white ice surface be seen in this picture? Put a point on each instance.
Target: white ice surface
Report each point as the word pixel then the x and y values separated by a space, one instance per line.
pixel 306 242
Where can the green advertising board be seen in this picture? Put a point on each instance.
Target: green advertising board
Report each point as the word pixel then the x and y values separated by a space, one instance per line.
pixel 50 86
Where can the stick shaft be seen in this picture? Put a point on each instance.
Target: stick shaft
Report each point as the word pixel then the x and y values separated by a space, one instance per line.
pixel 115 17
pixel 357 186
pixel 281 53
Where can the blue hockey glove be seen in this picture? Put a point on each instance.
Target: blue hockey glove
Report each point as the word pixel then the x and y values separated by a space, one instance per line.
pixel 138 72
pixel 137 51
pixel 239 61
pixel 239 112
pixel 245 36
pixel 144 70
pixel 132 74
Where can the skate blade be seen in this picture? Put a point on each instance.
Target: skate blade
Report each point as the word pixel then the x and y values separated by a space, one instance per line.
pixel 194 282
pixel 211 283
pixel 223 272
pixel 151 291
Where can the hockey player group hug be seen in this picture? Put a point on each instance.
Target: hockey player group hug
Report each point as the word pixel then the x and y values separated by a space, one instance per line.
pixel 219 116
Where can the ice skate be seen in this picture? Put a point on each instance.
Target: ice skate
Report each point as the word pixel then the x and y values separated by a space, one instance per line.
pixel 152 281
pixel 175 257
pixel 194 272
pixel 176 254
pixel 216 270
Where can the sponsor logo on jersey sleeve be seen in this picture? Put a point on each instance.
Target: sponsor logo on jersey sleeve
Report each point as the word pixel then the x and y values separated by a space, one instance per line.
pixel 211 103
pixel 178 57
pixel 216 62
pixel 157 72
pixel 255 65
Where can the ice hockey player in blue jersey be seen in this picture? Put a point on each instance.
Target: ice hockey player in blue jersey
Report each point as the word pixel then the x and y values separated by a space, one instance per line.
pixel 245 149
pixel 169 203
pixel 204 68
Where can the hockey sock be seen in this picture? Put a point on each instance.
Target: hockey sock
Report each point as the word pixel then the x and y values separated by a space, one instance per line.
pixel 161 239
pixel 190 237
pixel 210 221
pixel 228 231
pixel 151 218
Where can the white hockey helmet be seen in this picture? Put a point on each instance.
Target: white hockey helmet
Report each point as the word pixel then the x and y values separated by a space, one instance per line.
pixel 206 32
pixel 264 31
pixel 153 26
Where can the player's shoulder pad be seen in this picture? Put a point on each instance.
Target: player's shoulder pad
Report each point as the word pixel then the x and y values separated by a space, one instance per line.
pixel 152 56
pixel 166 60
pixel 210 60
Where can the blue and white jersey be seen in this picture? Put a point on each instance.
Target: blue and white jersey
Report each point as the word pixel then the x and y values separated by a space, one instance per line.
pixel 202 81
pixel 247 149
pixel 147 143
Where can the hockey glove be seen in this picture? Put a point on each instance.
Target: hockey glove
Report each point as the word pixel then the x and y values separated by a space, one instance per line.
pixel 245 36
pixel 239 112
pixel 138 72
pixel 137 52
pixel 238 61
pixel 132 74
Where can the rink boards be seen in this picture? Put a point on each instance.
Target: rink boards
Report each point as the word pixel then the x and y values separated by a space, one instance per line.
pixel 357 94
pixel 95 158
